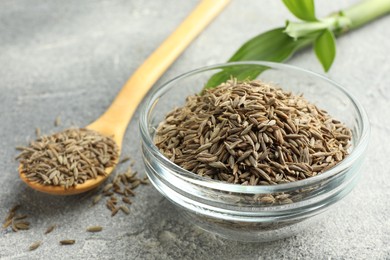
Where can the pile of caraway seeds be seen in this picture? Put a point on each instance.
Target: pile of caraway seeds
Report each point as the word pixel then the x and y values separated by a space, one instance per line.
pixel 252 133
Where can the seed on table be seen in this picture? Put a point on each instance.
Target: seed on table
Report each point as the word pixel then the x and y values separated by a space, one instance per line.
pixel 129 191
pixel 107 194
pixel 20 217
pixel 57 122
pixel 110 205
pixel 114 211
pixel 118 191
pixel 124 179
pixel 7 223
pixel 50 229
pixel 34 245
pixel 124 159
pixel 94 229
pixel 126 200
pixel 38 132
pixel 96 199
pixel 15 208
pixel 135 184
pixel 67 242
pixel 125 209
pixel 14 227
pixel 22 225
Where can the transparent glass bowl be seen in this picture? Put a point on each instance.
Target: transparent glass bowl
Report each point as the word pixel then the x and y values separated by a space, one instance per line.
pixel 254 213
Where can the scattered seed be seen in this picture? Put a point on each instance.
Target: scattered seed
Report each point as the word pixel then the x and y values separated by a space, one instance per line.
pixel 126 200
pixel 20 217
pixel 67 242
pixel 15 208
pixel 135 184
pixel 34 245
pixel 94 229
pixel 124 159
pixel 50 229
pixel 22 225
pixel 7 223
pixel 125 209
pixel 14 227
pixel 38 132
pixel 96 199
pixel 16 221
pixel 108 187
pixel 57 122
pixel 114 211
pixel 122 185
pixel 108 193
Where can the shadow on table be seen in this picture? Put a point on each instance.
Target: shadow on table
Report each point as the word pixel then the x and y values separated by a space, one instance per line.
pixel 167 234
pixel 40 205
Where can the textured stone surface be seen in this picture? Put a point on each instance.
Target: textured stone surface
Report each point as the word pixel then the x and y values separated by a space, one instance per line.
pixel 70 58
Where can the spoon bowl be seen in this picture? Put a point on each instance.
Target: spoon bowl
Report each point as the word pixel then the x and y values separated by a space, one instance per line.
pixel 113 123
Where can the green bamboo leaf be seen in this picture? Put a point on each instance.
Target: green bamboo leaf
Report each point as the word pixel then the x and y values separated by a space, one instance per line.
pixel 272 45
pixel 325 49
pixel 302 9
pixel 240 72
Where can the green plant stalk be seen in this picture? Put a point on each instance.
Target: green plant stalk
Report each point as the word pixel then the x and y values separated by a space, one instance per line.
pixel 299 35
pixel 366 11
pixel 342 21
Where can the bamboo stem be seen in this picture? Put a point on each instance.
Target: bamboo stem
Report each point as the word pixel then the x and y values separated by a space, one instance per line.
pixel 366 11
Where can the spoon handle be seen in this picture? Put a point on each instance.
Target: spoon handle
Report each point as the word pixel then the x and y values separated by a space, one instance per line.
pixel 118 115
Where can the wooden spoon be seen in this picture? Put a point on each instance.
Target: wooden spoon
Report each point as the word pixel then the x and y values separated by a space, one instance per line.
pixel 116 118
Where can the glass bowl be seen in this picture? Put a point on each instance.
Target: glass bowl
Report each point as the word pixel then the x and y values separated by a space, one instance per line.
pixel 254 213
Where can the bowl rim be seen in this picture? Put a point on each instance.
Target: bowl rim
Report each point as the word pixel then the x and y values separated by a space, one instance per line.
pixel 359 147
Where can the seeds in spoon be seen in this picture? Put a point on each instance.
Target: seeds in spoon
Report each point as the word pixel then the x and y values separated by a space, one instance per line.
pixel 68 158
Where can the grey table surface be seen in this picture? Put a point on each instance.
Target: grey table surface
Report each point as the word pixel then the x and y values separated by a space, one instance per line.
pixel 70 58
